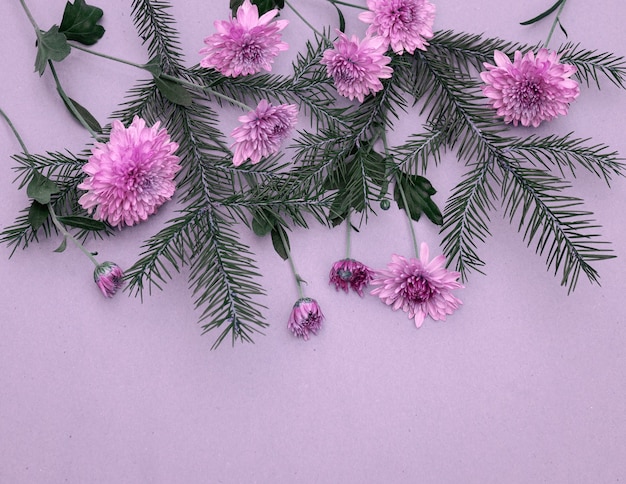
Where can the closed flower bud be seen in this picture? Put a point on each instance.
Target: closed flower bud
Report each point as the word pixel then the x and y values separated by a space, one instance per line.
pixel 109 278
pixel 306 317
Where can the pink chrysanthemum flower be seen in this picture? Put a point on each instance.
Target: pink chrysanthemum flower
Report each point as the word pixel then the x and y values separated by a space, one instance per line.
pixel 357 67
pixel 404 24
pixel 262 131
pixel 531 89
pixel 306 317
pixel 130 176
pixel 349 273
pixel 109 278
pixel 245 44
pixel 418 286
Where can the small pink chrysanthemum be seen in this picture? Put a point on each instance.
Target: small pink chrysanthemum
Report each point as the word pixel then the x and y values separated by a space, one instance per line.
pixel 306 317
pixel 357 67
pixel 418 286
pixel 245 44
pixel 130 176
pixel 349 273
pixel 404 24
pixel 262 131
pixel 531 89
pixel 109 278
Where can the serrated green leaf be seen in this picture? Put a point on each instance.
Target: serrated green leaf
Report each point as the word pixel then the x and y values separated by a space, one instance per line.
pixel 418 191
pixel 41 188
pixel 84 223
pixel 62 247
pixel 80 23
pixel 37 215
pixel 51 45
pixel 173 92
pixel 91 121
pixel 278 236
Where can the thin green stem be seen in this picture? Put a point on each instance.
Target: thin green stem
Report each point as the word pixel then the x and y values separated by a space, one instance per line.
pixel 307 23
pixel 168 77
pixel 70 104
pixel 554 24
pixel 31 18
pixel 360 7
pixel 348 236
pixel 292 265
pixel 408 214
pixel 15 132
pixel 67 235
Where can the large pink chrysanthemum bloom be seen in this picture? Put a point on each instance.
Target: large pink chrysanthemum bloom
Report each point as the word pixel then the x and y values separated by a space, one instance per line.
pixel 418 286
pixel 404 24
pixel 306 317
pixel 531 89
pixel 357 67
pixel 350 273
pixel 109 278
pixel 246 44
pixel 130 176
pixel 262 131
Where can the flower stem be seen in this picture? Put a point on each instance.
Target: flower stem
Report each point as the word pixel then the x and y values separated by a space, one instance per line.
pixel 307 23
pixel 67 235
pixel 31 18
pixel 554 24
pixel 360 7
pixel 168 77
pixel 348 235
pixel 408 214
pixel 70 104
pixel 291 264
pixel 15 132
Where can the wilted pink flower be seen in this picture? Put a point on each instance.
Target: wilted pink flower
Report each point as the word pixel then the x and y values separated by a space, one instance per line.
pixel 531 89
pixel 262 131
pixel 109 278
pixel 357 67
pixel 245 44
pixel 418 287
pixel 130 176
pixel 348 273
pixel 306 317
pixel 405 24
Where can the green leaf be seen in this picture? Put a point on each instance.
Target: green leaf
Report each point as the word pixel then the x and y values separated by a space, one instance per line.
pixel 280 241
pixel 262 222
pixel 264 6
pixel 41 188
pixel 544 14
pixel 37 215
pixel 91 121
pixel 154 66
pixel 62 247
pixel 418 191
pixel 80 23
pixel 84 223
pixel 173 92
pixel 51 45
pixel 342 20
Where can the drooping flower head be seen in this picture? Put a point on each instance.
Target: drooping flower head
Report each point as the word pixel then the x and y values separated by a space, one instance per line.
pixel 131 175
pixel 404 24
pixel 306 317
pixel 246 44
pixel 349 273
pixel 262 131
pixel 357 66
pixel 109 278
pixel 531 89
pixel 418 286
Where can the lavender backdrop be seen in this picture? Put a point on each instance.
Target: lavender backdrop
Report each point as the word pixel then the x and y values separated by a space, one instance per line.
pixel 523 384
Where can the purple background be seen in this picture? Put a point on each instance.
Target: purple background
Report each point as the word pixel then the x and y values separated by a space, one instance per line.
pixel 523 384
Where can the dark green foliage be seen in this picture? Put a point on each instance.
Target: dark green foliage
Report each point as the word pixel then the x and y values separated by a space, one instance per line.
pixel 80 23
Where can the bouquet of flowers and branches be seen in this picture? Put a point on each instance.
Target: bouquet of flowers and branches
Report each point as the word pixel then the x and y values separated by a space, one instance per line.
pixel 165 143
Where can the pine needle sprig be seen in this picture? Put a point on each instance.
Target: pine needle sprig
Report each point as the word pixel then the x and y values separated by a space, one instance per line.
pixel 591 65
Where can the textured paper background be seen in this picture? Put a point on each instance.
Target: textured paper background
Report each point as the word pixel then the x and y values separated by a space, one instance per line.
pixel 523 384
